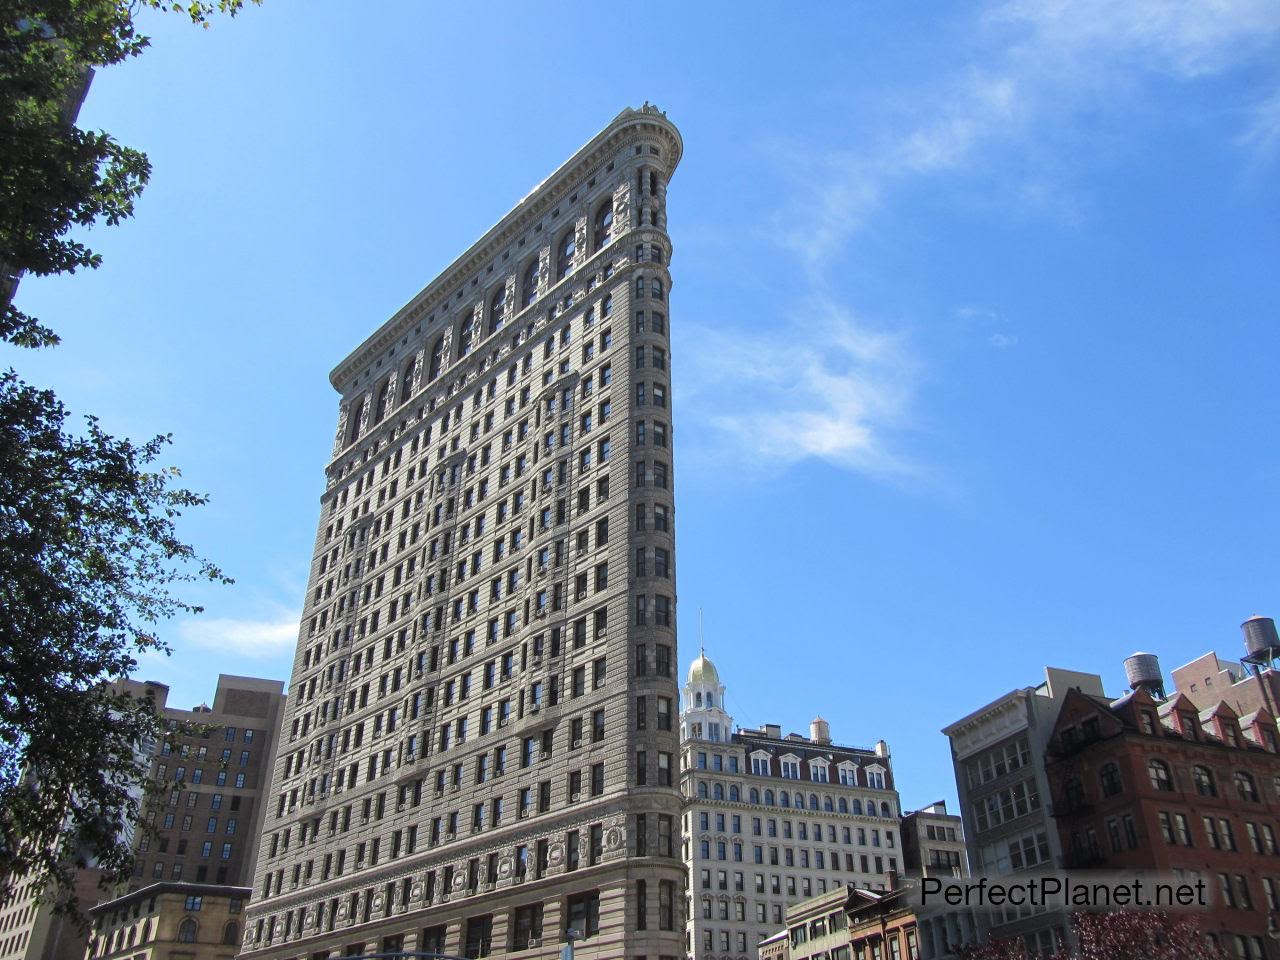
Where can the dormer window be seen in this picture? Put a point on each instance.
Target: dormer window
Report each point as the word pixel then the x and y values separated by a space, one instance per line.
pixel 1190 726
pixel 790 768
pixel 1148 720
pixel 1229 733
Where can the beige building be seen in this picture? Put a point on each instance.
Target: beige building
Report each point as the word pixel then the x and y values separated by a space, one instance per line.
pixel 771 820
pixel 205 826
pixel 481 750
pixel 169 921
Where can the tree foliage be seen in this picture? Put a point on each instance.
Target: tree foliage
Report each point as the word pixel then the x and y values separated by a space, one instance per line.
pixel 89 551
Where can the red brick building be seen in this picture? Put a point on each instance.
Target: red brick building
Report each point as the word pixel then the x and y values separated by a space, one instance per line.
pixel 1156 784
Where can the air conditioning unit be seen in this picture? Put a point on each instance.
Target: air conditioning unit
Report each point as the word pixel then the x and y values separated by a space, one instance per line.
pixel 545 755
pixel 450 835
pixel 537 661
pixel 581 552
pixel 573 797
pixel 522 814
pixel 535 708
pixel 577 744
pixel 540 613
pixel 542 569
pixel 502 721
pixel 535 942
pixel 580 595
pixel 456 787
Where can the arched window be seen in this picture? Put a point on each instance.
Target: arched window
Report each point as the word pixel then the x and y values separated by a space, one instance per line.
pixel 1246 786
pixel 129 935
pixel 697 699
pixel 498 309
pixel 604 224
pixel 656 288
pixel 734 794
pixel 564 255
pixel 639 287
pixel 383 402
pixel 702 791
pixel 768 798
pixel 187 931
pixel 467 334
pixel 884 809
pixel 799 800
pixel 357 414
pixel 857 806
pixel 437 360
pixel 1202 777
pixel 606 306
pixel 754 795
pixel 718 792
pixel 844 805
pixel 711 702
pixel 785 798
pixel 529 286
pixel 146 932
pixel 406 379
pixel 1109 778
pixel 1161 779
pixel 826 804
pixel 813 801
pixel 231 933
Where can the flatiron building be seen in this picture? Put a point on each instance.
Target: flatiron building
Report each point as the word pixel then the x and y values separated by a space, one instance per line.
pixel 481 747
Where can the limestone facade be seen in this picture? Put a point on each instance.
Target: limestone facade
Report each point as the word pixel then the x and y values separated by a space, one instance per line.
pixel 772 820
pixel 480 751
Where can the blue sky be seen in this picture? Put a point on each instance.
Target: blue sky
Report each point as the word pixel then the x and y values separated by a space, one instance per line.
pixel 974 315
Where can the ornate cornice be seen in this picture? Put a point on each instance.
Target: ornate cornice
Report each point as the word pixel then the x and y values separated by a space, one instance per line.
pixel 626 127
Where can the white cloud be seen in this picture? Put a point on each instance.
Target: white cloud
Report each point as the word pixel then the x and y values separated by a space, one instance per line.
pixel 1042 65
pixel 1002 341
pixel 826 386
pixel 266 637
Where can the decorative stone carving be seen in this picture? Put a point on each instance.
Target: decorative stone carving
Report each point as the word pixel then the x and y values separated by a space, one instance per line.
pixel 581 237
pixel 544 270
pixel 340 436
pixel 415 891
pixel 509 296
pixel 446 346
pixel 391 396
pixel 622 208
pixel 555 853
pixel 366 401
pixel 459 879
pixel 416 379
pixel 613 838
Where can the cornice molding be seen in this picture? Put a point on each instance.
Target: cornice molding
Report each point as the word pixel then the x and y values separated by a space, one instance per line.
pixel 628 126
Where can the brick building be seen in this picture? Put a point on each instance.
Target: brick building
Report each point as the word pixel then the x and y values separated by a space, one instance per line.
pixel 1145 783
pixel 206 825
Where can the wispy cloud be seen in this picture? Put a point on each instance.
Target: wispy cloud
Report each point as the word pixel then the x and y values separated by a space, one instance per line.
pixel 828 386
pixel 267 636
pixel 839 389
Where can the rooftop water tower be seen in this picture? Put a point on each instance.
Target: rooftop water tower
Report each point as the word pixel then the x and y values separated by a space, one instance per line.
pixel 1262 646
pixel 1142 670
